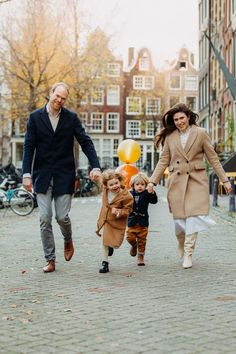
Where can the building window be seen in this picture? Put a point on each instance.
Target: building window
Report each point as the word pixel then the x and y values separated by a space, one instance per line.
pixel 144 64
pixel 173 101
pixel 152 126
pixel 83 116
pixel 106 153
pixel 133 105
pixel 191 103
pixel 149 129
pixel 113 69
pixel 133 129
pixel 115 146
pixel 182 65
pixel 143 82
pixel 113 95
pixel 113 120
pixel 97 122
pixel 153 106
pixel 175 82
pixel 191 83
pixel 97 95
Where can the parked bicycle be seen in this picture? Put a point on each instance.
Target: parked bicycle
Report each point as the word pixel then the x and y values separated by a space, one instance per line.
pixel 20 201
pixel 84 187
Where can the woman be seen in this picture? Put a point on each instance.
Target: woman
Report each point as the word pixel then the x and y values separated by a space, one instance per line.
pixel 185 145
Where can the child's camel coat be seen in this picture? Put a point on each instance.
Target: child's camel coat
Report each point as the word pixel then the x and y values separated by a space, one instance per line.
pixel 114 227
pixel 188 185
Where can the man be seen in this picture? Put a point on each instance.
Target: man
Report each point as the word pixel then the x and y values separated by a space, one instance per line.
pixel 49 156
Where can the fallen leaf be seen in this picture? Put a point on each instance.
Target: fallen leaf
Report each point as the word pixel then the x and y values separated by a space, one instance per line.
pixel 225 298
pixel 97 290
pixel 25 320
pixel 67 310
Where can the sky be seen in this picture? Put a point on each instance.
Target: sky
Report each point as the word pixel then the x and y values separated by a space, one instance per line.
pixel 163 26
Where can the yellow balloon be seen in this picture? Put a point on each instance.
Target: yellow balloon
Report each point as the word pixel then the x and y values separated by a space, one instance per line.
pixel 129 151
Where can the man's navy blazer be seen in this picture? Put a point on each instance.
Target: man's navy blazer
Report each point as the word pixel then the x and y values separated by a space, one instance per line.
pixel 49 154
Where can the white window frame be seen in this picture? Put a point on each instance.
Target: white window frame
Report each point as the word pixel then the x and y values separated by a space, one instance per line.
pixel 140 82
pixel 98 91
pixel 190 82
pixel 149 128
pixel 144 64
pixel 128 105
pixel 129 128
pixel 84 119
pixel 113 69
pixel 113 95
pixel 97 116
pixel 110 119
pixel 148 106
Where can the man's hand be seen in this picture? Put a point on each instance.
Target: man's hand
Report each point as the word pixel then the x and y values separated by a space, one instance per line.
pixel 27 183
pixel 95 174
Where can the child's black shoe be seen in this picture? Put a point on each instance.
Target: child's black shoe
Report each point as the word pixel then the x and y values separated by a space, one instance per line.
pixel 105 267
pixel 110 251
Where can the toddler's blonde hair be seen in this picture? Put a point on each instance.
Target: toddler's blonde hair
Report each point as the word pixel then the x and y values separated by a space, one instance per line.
pixel 139 177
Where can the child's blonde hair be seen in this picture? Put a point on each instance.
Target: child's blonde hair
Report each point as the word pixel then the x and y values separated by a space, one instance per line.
pixel 139 177
pixel 109 174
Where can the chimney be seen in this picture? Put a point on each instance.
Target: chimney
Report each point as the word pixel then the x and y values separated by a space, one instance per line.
pixel 130 55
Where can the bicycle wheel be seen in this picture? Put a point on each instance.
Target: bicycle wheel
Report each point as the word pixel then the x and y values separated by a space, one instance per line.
pixel 22 202
pixel 93 188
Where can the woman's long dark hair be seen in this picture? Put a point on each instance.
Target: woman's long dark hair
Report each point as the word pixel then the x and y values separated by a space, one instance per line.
pixel 168 122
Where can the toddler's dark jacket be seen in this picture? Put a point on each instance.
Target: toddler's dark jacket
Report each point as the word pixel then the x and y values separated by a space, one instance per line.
pixel 139 214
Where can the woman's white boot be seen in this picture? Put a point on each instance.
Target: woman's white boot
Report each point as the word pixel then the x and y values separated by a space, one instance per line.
pixel 181 239
pixel 189 245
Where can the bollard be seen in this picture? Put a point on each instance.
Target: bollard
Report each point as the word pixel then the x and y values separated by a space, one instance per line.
pixel 215 192
pixel 232 196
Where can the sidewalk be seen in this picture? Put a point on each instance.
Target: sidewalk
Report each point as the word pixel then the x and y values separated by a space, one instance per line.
pixel 222 209
pixel 157 309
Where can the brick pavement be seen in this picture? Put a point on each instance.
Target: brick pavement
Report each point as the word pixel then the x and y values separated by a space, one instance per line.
pixel 160 308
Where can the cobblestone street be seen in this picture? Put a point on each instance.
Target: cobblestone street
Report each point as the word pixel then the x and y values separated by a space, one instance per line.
pixel 159 308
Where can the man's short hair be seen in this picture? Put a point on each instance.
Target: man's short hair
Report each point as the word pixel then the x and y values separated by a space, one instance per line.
pixel 54 86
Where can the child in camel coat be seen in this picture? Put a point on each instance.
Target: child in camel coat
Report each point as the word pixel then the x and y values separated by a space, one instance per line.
pixel 117 203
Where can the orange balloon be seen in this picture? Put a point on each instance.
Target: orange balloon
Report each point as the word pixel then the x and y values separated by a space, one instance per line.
pixel 128 171
pixel 129 151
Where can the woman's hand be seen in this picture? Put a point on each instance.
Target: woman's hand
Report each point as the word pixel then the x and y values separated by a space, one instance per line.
pixel 150 187
pixel 227 187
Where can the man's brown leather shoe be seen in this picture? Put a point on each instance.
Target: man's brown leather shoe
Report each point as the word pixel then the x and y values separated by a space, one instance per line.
pixel 68 250
pixel 50 267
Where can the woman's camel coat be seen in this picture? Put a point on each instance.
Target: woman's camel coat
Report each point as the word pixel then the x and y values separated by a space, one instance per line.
pixel 114 227
pixel 188 185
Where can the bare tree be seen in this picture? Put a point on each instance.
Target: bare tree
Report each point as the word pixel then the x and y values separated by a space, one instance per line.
pixel 32 57
pixel 2 1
